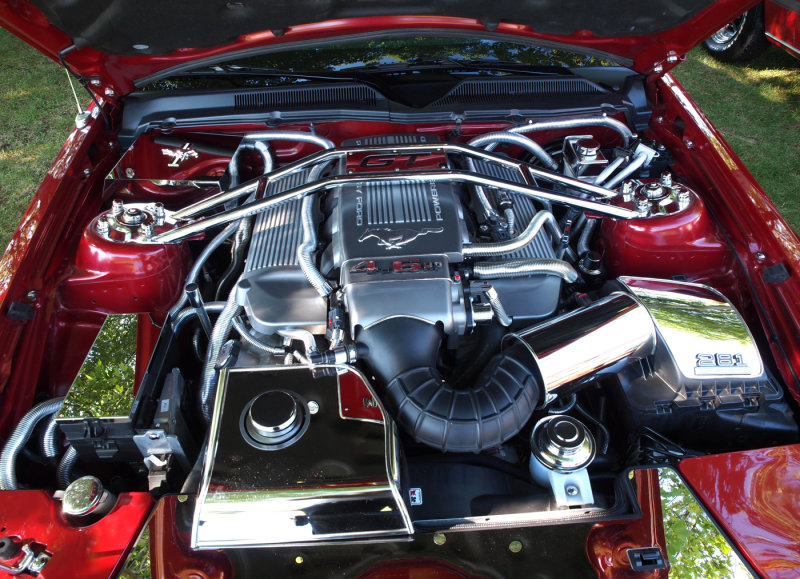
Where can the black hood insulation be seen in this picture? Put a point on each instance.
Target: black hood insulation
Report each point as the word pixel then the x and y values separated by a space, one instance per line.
pixel 402 352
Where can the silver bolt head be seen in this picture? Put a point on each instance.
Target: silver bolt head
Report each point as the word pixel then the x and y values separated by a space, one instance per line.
pixel 117 207
pixel 439 538
pixel 102 227
pixel 571 490
pixel 313 407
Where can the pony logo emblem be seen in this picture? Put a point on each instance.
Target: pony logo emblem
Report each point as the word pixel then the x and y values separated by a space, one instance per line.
pixel 396 238
pixel 179 155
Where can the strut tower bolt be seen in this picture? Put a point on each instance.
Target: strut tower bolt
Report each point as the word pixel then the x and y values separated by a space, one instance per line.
pixel 117 207
pixel 102 227
pixel 666 179
pixel 160 213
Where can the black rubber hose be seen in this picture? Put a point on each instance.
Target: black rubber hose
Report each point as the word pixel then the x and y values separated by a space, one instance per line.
pixel 402 352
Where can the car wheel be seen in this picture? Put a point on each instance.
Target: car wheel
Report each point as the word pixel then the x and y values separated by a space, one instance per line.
pixel 740 39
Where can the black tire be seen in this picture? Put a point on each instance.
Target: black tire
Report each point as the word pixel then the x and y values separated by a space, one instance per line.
pixel 741 39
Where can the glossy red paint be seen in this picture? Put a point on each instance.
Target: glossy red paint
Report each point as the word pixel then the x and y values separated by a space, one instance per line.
pixel 122 278
pixel 607 544
pixel 756 231
pixel 34 262
pixel 687 243
pixel 170 554
pixel 753 496
pixel 98 551
pixel 782 25
pixel 118 73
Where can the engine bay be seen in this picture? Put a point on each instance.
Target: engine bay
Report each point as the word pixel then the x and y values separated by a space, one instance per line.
pixel 367 329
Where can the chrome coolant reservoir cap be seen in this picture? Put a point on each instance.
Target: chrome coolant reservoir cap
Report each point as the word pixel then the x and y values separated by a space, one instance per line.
pixel 85 501
pixel 562 443
pixel 274 419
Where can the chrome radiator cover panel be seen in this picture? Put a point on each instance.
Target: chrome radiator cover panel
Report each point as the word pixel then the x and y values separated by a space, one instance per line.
pixel 336 480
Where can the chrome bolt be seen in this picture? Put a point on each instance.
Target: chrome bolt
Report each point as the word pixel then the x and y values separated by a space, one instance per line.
pixel 439 539
pixel 627 191
pixel 160 213
pixel 87 172
pixel 666 179
pixel 117 207
pixel 313 406
pixel 653 191
pixel 95 82
pixel 658 69
pixel 153 436
pixel 110 92
pixel 299 560
pixel 32 295
pixel 572 490
pixel 130 173
pixel 102 227
pixel 147 230
pixel 689 144
pixel 643 206
pixel 515 546
pixel 760 256
pixel 683 199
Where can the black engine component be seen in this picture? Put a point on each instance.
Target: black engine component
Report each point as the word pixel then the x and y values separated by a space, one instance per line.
pixel 430 408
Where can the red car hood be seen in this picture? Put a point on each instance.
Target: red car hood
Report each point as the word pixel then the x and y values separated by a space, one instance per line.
pixel 115 42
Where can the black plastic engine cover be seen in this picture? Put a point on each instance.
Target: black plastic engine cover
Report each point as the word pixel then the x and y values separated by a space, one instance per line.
pixel 398 218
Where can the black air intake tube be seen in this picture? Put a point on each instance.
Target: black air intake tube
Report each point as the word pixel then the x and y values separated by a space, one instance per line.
pixel 547 360
pixel 402 352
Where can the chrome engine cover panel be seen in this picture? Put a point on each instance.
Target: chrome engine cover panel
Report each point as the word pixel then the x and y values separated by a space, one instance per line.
pixel 336 480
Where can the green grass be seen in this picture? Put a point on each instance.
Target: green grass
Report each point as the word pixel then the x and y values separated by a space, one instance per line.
pixel 37 113
pixel 757 108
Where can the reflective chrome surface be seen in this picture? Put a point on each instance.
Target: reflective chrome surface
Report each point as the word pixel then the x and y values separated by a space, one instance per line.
pixel 614 329
pixel 702 330
pixel 82 496
pixel 104 385
pixel 337 480
pixel 562 443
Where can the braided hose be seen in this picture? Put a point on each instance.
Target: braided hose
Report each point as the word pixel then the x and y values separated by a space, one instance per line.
pixel 20 437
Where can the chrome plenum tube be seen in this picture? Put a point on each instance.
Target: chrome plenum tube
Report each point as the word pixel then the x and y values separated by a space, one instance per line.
pixel 609 122
pixel 606 173
pixel 541 219
pixel 18 439
pixel 589 340
pixel 523 268
pixel 221 330
pixel 64 472
pixel 491 140
pixel 637 162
